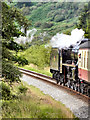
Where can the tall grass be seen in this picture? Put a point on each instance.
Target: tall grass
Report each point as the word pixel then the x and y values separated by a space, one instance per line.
pixel 34 104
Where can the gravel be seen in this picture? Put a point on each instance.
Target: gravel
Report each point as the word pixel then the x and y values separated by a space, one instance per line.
pixel 76 105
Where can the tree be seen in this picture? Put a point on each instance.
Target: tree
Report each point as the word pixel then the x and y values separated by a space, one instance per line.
pixel 12 21
pixel 84 20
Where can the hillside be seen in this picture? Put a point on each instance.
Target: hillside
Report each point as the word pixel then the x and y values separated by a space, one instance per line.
pixel 52 17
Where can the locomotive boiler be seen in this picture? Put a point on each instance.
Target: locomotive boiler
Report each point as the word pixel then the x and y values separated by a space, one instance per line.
pixel 71 67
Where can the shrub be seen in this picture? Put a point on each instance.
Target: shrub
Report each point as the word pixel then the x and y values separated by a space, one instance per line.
pixel 22 89
pixel 50 14
pixel 22 61
pixel 59 18
pixel 57 12
pixel 4 91
pixel 47 25
pixel 39 4
pixel 58 5
pixel 10 72
pixel 53 7
pixel 68 32
pixel 38 24
pixel 26 10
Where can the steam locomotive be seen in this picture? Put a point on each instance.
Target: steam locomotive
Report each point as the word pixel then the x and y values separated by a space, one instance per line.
pixel 71 67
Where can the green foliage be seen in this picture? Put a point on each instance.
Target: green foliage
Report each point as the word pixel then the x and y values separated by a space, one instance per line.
pixel 40 39
pixel 6 54
pixel 47 25
pixel 59 18
pixel 38 55
pixel 34 104
pixel 58 13
pixel 5 92
pixel 22 61
pixel 26 4
pixel 68 32
pixel 13 46
pixel 84 20
pixel 11 28
pixel 10 72
pixel 39 14
pixel 38 24
pixel 22 89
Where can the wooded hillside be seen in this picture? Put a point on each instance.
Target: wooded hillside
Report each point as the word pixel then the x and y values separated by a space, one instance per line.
pixel 52 17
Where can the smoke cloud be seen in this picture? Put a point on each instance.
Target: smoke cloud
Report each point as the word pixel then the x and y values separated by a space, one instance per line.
pixel 63 40
pixel 29 36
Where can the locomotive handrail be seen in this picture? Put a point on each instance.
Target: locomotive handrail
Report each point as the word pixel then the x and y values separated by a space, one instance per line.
pixel 65 64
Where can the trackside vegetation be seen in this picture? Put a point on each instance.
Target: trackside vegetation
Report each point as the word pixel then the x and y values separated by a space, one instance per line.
pixel 38 59
pixel 37 55
pixel 32 103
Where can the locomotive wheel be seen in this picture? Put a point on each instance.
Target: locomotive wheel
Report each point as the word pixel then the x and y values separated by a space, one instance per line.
pixel 72 86
pixel 63 84
pixel 78 89
pixel 75 87
pixel 82 88
pixel 57 81
pixel 68 84
pixel 89 92
pixel 53 76
pixel 58 78
pixel 62 81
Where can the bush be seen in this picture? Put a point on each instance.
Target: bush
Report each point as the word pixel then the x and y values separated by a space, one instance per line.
pixel 22 89
pixel 50 14
pixel 10 72
pixel 38 24
pixel 58 5
pixel 59 18
pixel 47 25
pixel 22 61
pixel 25 10
pixel 53 7
pixel 4 91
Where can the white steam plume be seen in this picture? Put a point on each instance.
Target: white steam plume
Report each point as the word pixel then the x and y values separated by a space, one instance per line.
pixel 63 40
pixel 28 38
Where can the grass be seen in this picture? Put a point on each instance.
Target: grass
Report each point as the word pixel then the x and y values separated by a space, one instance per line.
pixel 32 67
pixel 34 104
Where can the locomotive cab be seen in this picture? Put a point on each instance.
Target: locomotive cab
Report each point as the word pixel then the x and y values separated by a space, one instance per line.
pixel 63 64
pixel 55 63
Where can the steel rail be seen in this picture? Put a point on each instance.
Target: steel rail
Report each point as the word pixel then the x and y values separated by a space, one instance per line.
pixel 52 81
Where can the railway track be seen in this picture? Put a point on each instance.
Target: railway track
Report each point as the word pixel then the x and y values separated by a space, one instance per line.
pixel 49 80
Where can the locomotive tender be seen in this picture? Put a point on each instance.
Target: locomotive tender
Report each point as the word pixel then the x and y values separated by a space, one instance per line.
pixel 72 67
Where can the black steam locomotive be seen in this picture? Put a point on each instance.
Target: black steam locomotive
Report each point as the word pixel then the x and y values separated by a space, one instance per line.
pixel 71 67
